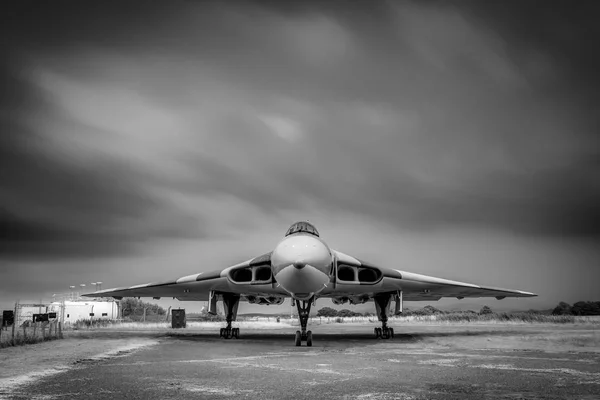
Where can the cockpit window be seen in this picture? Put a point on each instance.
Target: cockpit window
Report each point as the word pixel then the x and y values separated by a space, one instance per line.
pixel 306 227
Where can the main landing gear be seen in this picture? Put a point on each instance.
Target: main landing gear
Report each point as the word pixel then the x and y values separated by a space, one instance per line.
pixel 230 304
pixel 230 332
pixel 382 303
pixel 303 313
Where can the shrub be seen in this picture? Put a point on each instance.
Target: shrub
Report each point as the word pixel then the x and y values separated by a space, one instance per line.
pixel 327 312
pixel 562 309
pixel 430 310
pixel 485 310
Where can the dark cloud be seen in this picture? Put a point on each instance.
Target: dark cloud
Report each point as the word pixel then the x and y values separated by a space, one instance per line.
pixel 54 204
pixel 423 114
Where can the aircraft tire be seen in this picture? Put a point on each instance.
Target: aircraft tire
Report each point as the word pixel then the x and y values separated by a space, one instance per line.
pixel 309 338
pixel 298 338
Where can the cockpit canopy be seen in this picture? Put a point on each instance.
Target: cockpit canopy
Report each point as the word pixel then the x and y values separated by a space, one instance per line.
pixel 302 226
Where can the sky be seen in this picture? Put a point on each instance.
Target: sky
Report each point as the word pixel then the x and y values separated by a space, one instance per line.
pixel 147 141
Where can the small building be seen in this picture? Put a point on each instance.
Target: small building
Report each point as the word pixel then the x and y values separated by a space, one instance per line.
pixel 85 310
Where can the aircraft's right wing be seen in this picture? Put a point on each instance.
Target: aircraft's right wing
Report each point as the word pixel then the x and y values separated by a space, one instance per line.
pixel 359 279
pixel 251 279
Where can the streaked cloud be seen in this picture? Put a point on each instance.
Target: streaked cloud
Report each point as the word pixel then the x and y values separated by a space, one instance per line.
pixel 203 120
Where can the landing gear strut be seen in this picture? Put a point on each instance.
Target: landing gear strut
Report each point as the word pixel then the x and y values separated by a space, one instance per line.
pixel 230 304
pixel 382 303
pixel 303 313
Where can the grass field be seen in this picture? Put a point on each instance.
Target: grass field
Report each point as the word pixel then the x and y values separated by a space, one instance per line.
pixel 43 332
pixel 271 322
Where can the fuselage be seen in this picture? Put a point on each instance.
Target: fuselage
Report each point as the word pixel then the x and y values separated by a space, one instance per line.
pixel 302 264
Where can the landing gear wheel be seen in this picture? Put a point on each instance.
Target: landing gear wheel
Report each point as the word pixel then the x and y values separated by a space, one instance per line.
pixel 391 333
pixel 378 333
pixel 385 333
pixel 309 338
pixel 228 333
pixel 298 338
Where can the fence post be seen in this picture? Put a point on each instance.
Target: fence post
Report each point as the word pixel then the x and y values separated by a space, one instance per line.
pixel 62 319
pixel 15 319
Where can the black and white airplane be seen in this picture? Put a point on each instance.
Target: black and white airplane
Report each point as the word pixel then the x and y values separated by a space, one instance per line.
pixel 302 266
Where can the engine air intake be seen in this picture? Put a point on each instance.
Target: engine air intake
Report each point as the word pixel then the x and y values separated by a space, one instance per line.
pixel 361 275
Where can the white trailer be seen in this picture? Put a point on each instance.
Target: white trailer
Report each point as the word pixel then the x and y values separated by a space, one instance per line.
pixel 86 310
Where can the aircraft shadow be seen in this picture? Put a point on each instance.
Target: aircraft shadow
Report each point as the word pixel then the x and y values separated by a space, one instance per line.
pixel 350 337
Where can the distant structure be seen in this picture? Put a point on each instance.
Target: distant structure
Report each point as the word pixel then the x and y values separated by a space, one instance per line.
pixel 73 310
pixel 81 310
pixel 25 312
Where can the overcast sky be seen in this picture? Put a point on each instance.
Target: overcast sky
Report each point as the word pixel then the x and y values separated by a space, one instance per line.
pixel 143 142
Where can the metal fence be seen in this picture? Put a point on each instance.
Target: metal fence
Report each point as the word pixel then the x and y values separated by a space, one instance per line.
pixel 31 329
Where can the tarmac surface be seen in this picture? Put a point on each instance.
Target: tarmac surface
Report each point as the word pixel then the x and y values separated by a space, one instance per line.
pixel 430 362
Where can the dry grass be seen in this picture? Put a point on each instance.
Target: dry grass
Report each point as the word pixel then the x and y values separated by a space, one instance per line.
pixel 271 322
pixel 34 333
pixel 529 318
pixel 31 335
pixel 472 318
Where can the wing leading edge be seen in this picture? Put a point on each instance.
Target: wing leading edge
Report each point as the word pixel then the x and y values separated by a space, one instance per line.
pixel 196 287
pixel 416 287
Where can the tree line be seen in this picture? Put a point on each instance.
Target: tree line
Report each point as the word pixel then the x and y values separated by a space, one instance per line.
pixel 579 308
pixel 427 310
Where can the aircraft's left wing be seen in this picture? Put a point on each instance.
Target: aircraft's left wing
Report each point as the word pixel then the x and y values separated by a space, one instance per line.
pixel 358 279
pixel 249 278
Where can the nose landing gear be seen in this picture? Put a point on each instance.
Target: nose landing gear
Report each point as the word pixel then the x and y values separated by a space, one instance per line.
pixel 303 313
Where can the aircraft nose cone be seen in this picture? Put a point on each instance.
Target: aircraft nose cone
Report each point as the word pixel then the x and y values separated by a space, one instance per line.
pixel 299 265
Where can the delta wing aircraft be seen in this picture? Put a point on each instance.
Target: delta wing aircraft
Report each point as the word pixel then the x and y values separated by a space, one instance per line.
pixel 302 266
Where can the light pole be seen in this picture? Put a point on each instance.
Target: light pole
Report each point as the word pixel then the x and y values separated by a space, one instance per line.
pixel 82 286
pixel 98 285
pixel 72 287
